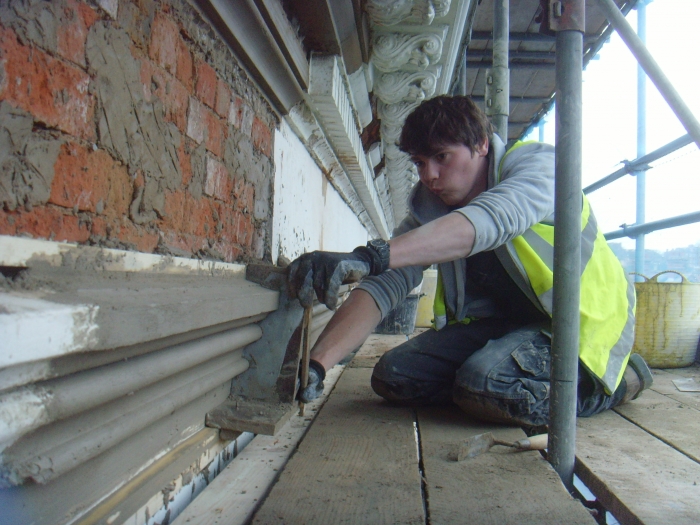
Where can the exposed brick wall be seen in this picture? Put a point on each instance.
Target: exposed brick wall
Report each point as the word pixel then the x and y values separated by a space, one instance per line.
pixel 138 132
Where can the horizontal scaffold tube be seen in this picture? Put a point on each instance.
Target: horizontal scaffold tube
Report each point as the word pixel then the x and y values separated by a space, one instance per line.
pixel 28 408
pixel 51 452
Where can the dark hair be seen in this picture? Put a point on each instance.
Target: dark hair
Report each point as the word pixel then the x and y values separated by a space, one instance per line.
pixel 444 120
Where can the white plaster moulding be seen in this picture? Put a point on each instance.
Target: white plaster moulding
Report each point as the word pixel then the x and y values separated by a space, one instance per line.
pixel 308 130
pixel 28 408
pixel 330 99
pixel 21 252
pixel 43 457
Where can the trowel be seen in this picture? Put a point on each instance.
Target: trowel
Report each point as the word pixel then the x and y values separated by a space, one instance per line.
pixel 481 443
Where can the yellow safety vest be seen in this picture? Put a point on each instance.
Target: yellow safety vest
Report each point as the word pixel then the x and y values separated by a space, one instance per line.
pixel 607 296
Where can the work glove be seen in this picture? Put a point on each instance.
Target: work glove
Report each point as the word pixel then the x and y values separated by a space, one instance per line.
pixel 325 272
pixel 315 386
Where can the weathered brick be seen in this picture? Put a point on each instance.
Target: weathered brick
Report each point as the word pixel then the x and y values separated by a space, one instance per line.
pixel 175 97
pixel 123 230
pixel 54 92
pixel 219 183
pixel 245 230
pixel 91 180
pixel 206 83
pixel 45 222
pixel 230 251
pixel 185 160
pixel 164 43
pixel 71 36
pixel 223 99
pixel 246 200
pixel 186 215
pixel 204 126
pixel 184 65
pixel 241 116
pixel 262 136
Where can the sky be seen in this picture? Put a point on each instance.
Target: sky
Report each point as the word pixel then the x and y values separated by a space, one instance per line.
pixel 610 125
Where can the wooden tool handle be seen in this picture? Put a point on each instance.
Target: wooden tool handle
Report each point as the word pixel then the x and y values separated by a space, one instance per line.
pixel 538 442
pixel 305 351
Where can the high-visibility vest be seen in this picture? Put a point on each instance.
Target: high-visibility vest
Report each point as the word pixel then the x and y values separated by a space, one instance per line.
pixel 607 297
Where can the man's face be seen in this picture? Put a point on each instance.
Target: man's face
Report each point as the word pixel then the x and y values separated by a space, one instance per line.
pixel 455 173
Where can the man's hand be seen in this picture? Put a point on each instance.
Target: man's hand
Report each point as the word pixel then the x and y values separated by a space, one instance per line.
pixel 325 272
pixel 315 387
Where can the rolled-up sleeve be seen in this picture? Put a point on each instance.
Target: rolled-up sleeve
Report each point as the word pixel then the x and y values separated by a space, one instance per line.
pixel 391 287
pixel 524 197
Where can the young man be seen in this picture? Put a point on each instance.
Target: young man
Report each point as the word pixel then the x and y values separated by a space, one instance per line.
pixel 486 217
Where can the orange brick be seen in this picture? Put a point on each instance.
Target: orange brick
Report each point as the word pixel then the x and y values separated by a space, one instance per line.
pixel 175 97
pixel 144 240
pixel 185 160
pixel 204 126
pixel 262 137
pixel 223 99
pixel 45 222
pixel 245 231
pixel 54 92
pixel 206 83
pixel 241 116
pixel 164 43
pixel 246 200
pixel 184 65
pixel 71 35
pixel 91 180
pixel 219 183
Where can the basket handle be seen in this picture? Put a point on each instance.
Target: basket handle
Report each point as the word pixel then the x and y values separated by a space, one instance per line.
pixel 683 278
pixel 642 276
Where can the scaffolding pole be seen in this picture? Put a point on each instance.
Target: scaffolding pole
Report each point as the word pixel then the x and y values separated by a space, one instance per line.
pixel 641 143
pixel 498 76
pixel 567 19
pixel 652 69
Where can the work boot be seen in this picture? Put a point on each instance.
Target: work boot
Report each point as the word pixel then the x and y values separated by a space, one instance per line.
pixel 637 378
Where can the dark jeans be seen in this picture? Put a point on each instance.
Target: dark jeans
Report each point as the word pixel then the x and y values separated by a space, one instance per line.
pixel 492 369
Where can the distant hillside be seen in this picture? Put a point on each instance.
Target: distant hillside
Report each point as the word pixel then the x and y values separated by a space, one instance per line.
pixel 684 260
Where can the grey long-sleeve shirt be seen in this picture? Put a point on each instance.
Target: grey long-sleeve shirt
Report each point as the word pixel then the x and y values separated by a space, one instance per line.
pixel 520 194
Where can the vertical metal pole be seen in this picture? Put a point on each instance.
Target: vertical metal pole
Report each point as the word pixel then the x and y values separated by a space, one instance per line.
pixel 567 239
pixel 463 75
pixel 497 93
pixel 641 143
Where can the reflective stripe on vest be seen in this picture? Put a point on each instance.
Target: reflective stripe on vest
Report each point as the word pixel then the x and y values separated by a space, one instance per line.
pixel 607 297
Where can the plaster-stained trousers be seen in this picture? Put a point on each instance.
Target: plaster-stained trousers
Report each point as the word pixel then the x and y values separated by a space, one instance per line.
pixel 491 368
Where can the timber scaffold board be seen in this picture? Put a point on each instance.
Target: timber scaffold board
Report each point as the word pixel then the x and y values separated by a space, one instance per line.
pixel 642 460
pixel 365 461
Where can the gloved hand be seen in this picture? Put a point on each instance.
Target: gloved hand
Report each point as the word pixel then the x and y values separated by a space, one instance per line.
pixel 315 387
pixel 325 272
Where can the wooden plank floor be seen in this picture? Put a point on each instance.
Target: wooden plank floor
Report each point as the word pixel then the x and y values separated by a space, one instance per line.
pixel 356 465
pixel 502 486
pixel 359 464
pixel 642 460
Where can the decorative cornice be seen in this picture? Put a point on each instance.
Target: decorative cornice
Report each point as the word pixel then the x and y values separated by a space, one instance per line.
pixel 404 86
pixel 392 12
pixel 330 99
pixel 394 51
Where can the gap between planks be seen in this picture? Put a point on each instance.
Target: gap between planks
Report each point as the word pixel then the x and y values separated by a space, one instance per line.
pixel 237 492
